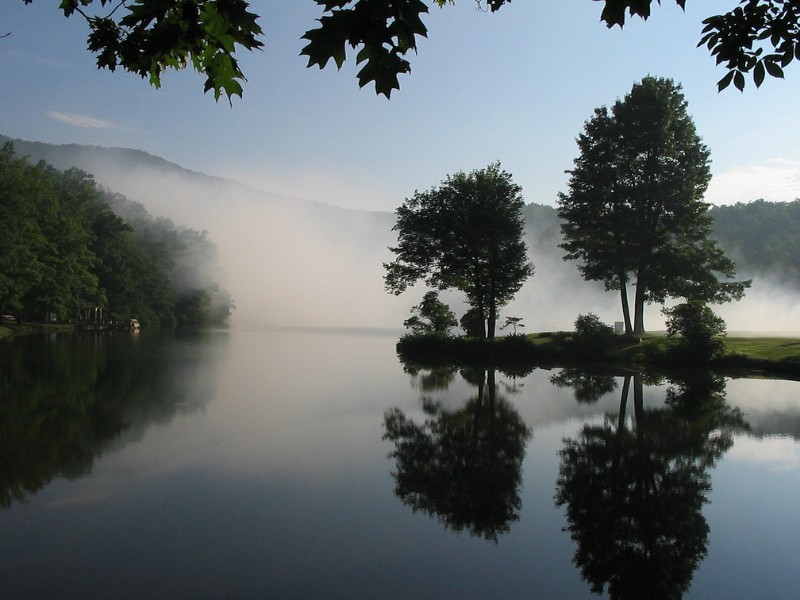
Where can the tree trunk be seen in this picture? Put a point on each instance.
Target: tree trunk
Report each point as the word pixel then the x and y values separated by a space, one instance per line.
pixel 623 403
pixel 482 310
pixel 492 304
pixel 481 307
pixel 638 400
pixel 638 320
pixel 626 309
pixel 492 320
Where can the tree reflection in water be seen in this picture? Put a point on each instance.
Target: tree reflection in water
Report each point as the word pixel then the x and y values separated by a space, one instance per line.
pixel 589 384
pixel 67 399
pixel 462 467
pixel 634 495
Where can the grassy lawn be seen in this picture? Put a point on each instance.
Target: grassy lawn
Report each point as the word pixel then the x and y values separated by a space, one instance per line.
pixel 783 351
pixel 780 350
pixel 762 354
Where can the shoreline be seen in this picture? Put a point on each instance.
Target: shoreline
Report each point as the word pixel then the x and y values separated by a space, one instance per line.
pixel 743 356
pixel 8 330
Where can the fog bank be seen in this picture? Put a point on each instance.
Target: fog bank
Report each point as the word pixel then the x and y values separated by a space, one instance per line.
pixel 290 262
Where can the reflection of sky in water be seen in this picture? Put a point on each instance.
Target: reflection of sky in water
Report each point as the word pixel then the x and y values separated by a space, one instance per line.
pixel 280 487
pixel 753 544
pixel 780 454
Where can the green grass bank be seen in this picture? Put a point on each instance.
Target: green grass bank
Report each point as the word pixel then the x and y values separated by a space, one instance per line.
pixel 771 355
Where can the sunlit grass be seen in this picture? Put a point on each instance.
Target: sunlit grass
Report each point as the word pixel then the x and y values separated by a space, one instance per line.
pixel 783 350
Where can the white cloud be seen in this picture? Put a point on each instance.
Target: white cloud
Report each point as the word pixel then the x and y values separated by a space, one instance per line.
pixel 776 180
pixel 82 121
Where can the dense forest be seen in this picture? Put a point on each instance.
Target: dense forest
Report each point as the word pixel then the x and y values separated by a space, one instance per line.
pixel 68 246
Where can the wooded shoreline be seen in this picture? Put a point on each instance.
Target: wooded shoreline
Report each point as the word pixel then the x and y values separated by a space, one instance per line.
pixel 743 356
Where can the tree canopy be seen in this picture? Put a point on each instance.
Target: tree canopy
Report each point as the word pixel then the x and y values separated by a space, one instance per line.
pixel 148 37
pixel 635 211
pixel 467 234
pixel 431 316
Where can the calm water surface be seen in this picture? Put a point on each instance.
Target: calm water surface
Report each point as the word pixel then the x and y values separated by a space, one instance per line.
pixel 299 464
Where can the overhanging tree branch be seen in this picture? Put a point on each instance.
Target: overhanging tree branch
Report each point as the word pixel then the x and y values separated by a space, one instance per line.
pixel 148 37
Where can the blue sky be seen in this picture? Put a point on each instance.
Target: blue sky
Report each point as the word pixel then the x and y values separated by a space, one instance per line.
pixel 515 86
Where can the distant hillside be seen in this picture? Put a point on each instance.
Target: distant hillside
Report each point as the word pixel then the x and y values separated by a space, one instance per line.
pixel 286 261
pixel 66 156
pixel 124 167
pixel 762 237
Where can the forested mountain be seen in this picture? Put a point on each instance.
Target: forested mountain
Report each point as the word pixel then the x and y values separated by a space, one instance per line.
pixel 286 261
pixel 68 245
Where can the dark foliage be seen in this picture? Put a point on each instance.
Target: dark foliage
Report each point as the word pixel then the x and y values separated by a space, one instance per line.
pixel 466 234
pixel 147 37
pixel 635 210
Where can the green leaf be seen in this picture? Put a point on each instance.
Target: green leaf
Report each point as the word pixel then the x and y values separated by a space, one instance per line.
pixel 725 81
pixel 758 74
pixel 738 80
pixel 773 69
pixel 328 41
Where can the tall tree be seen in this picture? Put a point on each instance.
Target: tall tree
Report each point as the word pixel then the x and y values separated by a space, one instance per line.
pixel 148 37
pixel 431 316
pixel 45 262
pixel 467 234
pixel 635 209
pixel 21 238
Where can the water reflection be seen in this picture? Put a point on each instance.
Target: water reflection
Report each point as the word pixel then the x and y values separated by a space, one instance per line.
pixel 434 379
pixel 634 488
pixel 67 399
pixel 461 466
pixel 589 384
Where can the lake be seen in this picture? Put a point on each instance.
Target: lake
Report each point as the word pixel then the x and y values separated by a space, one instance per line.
pixel 311 464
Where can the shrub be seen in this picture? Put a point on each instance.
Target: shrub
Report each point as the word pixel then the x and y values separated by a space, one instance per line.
pixel 432 316
pixel 591 334
pixel 472 323
pixel 700 332
pixel 590 327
